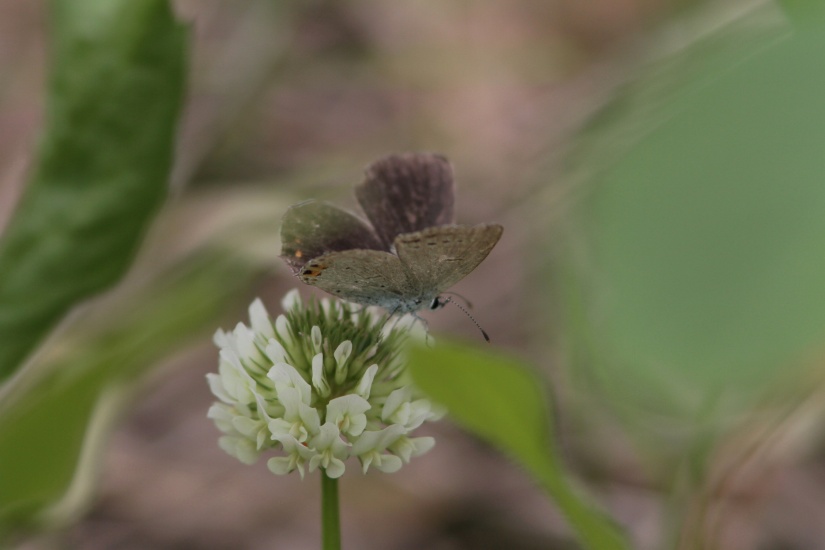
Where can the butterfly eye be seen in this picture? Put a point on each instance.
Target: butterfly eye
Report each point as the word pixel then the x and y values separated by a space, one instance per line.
pixel 437 303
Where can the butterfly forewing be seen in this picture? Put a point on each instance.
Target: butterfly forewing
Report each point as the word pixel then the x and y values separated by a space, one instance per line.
pixel 312 228
pixel 439 257
pixel 368 277
pixel 407 193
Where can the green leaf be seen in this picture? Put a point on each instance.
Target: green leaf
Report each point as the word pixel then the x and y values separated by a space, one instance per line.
pixel 805 13
pixel 115 92
pixel 500 400
pixel 45 425
pixel 705 261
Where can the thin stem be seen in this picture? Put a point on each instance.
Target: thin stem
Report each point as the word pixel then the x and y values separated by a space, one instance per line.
pixel 330 521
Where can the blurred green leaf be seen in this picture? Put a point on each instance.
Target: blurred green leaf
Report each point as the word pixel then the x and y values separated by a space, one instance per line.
pixel 804 12
pixel 43 428
pixel 498 399
pixel 705 265
pixel 115 92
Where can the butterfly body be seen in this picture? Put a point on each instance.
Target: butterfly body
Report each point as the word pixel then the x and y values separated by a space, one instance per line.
pixel 408 256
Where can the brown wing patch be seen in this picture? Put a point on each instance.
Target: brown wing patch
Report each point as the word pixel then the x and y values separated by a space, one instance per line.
pixel 406 193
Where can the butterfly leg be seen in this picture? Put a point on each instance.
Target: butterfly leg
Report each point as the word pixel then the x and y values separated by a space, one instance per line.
pixel 426 325
pixel 387 330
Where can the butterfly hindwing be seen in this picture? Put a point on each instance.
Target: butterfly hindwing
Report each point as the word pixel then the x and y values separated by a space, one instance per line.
pixel 439 257
pixel 407 193
pixel 368 277
pixel 312 228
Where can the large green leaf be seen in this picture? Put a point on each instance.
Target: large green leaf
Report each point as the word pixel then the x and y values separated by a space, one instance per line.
pixel 705 258
pixel 498 399
pixel 115 92
pixel 56 418
pixel 46 426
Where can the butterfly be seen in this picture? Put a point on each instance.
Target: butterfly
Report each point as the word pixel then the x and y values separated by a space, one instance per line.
pixel 409 253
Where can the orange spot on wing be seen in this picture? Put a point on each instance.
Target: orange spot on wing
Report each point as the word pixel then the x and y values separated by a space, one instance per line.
pixel 313 270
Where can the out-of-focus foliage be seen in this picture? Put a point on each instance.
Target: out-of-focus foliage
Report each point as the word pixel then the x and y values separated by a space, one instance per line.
pixel 804 12
pixel 116 89
pixel 497 398
pixel 704 258
pixel 115 92
pixel 45 425
pixel 694 297
pixel 55 419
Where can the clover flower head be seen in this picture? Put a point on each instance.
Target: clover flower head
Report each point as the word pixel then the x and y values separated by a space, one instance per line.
pixel 319 384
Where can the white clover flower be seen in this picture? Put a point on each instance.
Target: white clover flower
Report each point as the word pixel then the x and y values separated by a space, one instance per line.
pixel 240 447
pixel 347 413
pixel 282 329
pixel 287 377
pixel 299 420
pixel 371 446
pixel 401 409
pixel 408 447
pixel 318 385
pixel 222 414
pixel 232 384
pixel 296 456
pixel 331 451
pixel 259 319
pixel 317 338
pixel 319 378
pixel 253 428
pixel 247 349
pixel 365 384
pixel 291 300
pixel 342 353
pixel 275 352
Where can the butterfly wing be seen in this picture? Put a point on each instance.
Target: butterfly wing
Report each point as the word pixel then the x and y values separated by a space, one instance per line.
pixel 367 277
pixel 439 257
pixel 312 228
pixel 407 193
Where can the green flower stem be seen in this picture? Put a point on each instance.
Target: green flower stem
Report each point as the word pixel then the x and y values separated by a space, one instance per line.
pixel 330 521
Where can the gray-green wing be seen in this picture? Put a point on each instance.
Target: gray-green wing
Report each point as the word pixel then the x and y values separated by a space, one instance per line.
pixel 439 257
pixel 368 277
pixel 312 228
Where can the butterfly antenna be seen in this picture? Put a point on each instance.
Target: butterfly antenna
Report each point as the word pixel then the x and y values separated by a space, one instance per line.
pixel 466 301
pixel 467 313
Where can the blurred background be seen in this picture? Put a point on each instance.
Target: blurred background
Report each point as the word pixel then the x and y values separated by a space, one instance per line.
pixel 687 396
